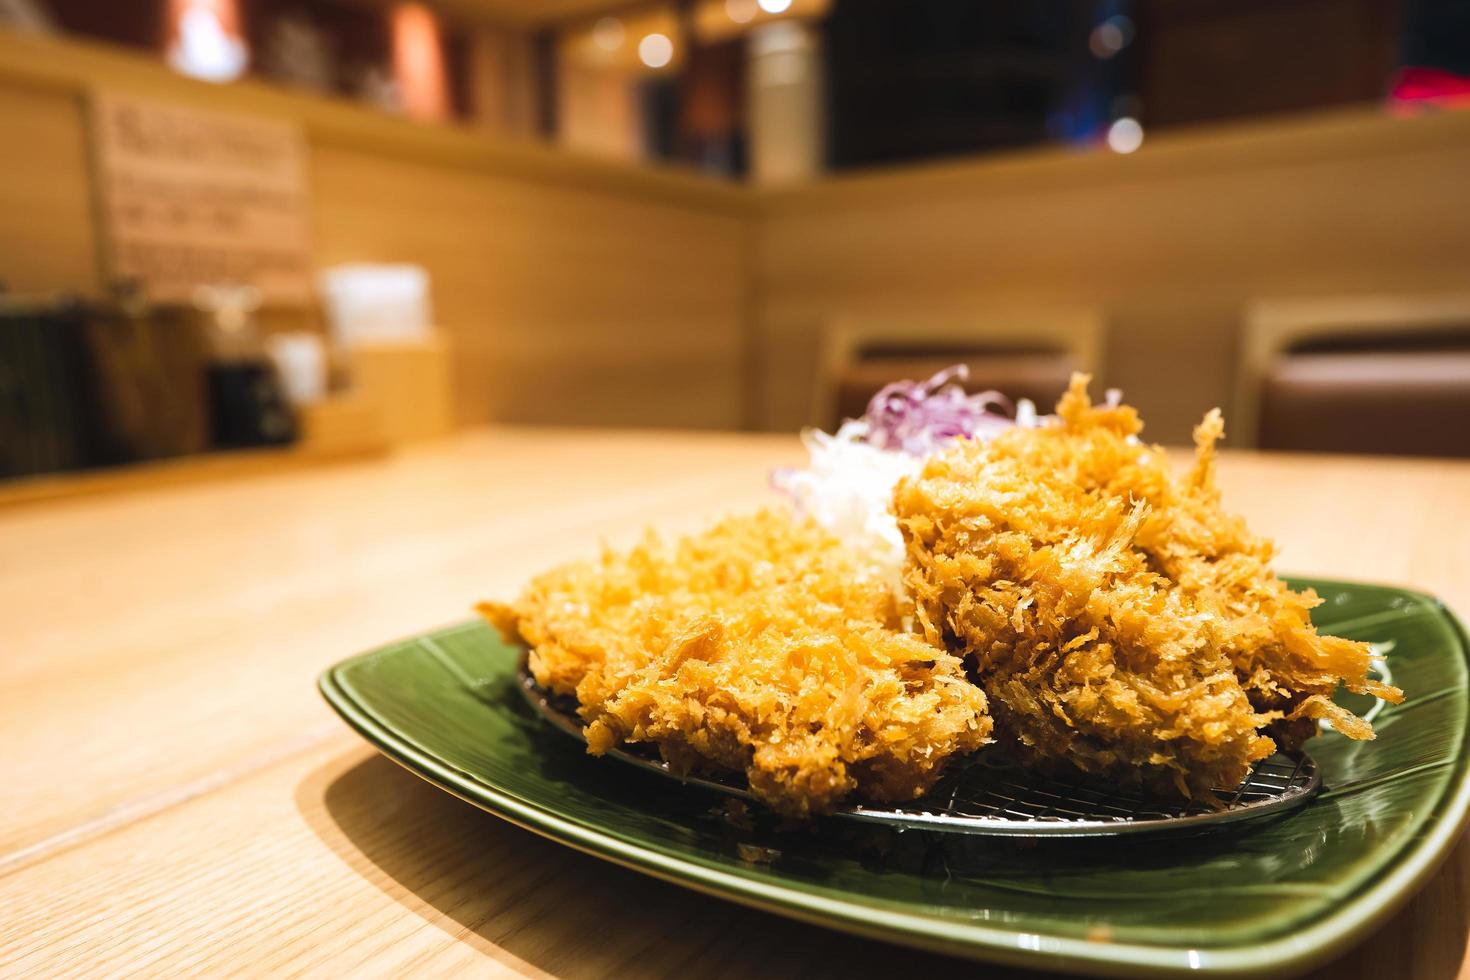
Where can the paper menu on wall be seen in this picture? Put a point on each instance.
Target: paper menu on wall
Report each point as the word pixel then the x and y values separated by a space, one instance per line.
pixel 192 197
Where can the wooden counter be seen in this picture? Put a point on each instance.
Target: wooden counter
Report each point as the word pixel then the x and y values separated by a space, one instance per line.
pixel 180 799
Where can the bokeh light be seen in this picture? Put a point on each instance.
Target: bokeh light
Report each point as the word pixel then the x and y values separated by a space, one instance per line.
pixel 656 50
pixel 740 11
pixel 608 33
pixel 1125 135
pixel 1111 36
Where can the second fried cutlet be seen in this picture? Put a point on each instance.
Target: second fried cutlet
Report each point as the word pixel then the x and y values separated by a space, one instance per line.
pixel 1119 621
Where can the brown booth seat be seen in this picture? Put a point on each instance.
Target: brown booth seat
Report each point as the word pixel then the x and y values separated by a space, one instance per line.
pixel 1040 376
pixel 1411 399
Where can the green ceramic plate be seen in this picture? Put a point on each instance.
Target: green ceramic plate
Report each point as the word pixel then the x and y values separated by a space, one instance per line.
pixel 1275 896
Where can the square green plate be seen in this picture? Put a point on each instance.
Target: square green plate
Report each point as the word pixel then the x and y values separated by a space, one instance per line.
pixel 1273 896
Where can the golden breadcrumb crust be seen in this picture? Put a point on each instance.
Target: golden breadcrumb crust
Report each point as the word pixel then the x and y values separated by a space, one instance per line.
pixel 761 646
pixel 1119 621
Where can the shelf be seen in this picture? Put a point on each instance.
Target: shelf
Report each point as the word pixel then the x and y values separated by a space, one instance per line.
pixel 336 430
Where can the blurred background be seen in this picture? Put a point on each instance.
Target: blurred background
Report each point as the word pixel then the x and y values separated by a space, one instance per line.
pixel 240 232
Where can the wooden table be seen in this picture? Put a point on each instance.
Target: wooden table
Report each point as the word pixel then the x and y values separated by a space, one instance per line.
pixel 179 799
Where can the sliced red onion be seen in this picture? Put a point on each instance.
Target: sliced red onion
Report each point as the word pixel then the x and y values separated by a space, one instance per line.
pixel 848 485
pixel 918 416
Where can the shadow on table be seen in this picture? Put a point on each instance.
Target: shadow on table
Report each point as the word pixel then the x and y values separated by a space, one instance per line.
pixel 523 900
pixel 526 901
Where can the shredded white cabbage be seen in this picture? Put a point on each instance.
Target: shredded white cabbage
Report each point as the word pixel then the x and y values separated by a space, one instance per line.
pixel 848 488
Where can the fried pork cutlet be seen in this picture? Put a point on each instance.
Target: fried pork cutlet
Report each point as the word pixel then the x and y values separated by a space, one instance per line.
pixel 1118 620
pixel 762 646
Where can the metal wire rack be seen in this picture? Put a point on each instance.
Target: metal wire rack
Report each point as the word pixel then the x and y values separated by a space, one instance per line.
pixel 987 797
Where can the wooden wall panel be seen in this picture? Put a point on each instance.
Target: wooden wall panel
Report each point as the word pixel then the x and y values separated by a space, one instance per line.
pixel 572 290
pixel 584 291
pixel 563 305
pixel 1170 245
pixel 47 241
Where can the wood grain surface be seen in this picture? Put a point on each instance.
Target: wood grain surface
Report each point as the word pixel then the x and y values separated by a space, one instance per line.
pixel 181 801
